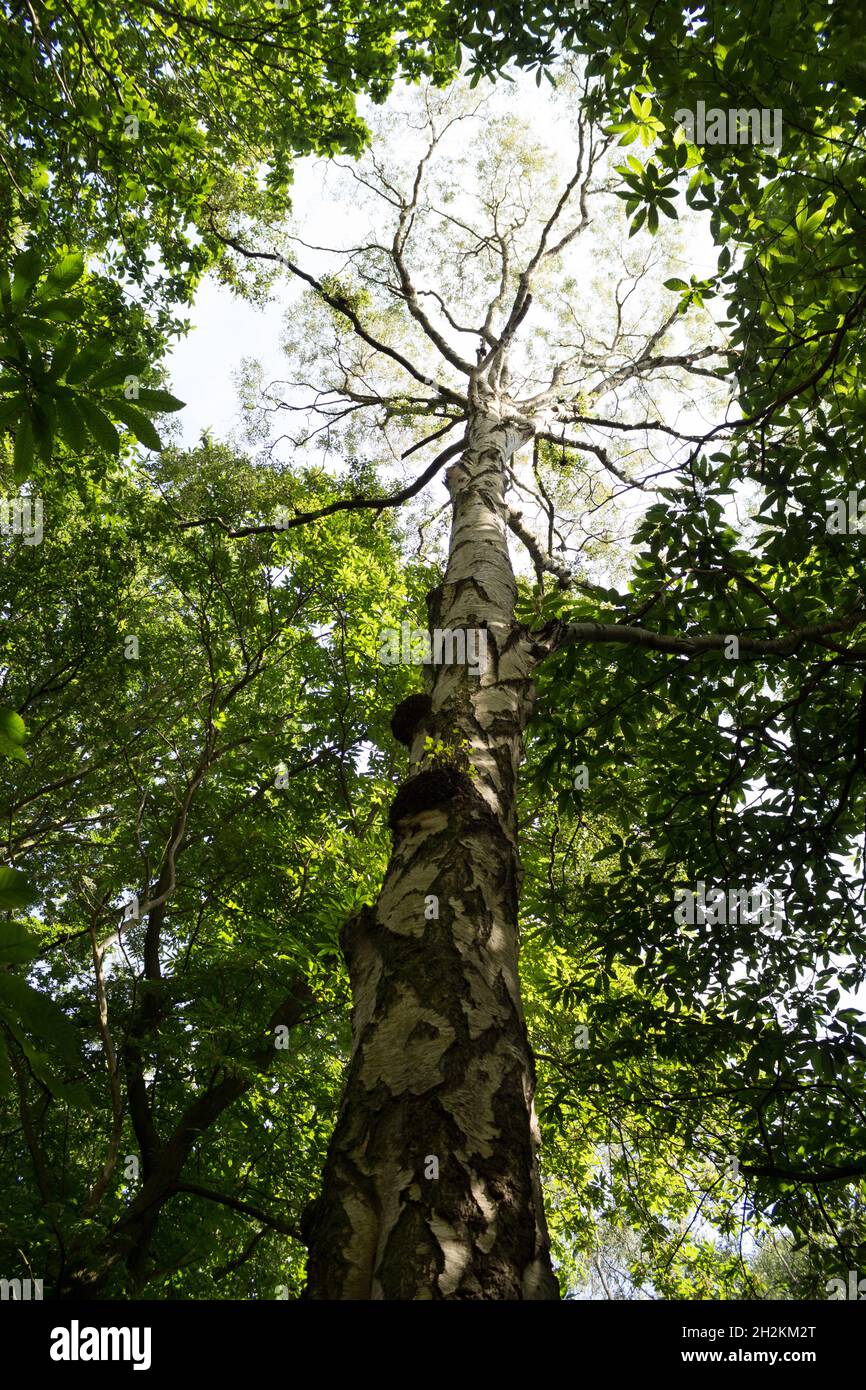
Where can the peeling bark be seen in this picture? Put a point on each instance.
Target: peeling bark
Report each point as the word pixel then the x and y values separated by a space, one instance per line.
pixel 441 1074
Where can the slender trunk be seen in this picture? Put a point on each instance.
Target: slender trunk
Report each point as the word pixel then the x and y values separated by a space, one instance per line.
pixel 431 1186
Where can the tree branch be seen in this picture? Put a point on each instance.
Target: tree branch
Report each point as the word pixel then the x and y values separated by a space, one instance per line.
pixel 345 504
pixel 342 306
pixel 821 1175
pixel 540 557
pixel 561 634
pixel 276 1223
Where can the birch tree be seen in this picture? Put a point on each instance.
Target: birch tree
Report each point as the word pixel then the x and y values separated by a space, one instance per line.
pixel 467 315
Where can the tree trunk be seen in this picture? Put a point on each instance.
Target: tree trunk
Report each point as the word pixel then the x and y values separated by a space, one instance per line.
pixel 431 1187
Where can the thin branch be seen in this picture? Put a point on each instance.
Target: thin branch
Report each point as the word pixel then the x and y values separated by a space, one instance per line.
pixel 345 504
pixel 540 557
pixel 270 1219
pixel 100 1186
pixel 841 1174
pixel 342 306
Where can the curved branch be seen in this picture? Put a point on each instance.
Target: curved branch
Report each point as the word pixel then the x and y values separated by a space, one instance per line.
pixel 540 557
pixel 841 1174
pixel 345 504
pixel 342 306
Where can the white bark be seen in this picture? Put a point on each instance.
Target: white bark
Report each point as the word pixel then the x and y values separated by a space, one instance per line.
pixel 441 1064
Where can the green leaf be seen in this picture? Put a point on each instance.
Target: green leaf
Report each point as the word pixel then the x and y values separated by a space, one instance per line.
pixel 43 419
pixel 61 310
pixel 637 222
pixel 38 1014
pixel 24 450
pixel 16 890
pixel 117 372
pixel 11 410
pixel 25 274
pixel 88 361
pixel 137 421
pixel 99 425
pixel 70 423
pixel 17 944
pixel 161 401
pixel 62 357
pixel 12 726
pixel 36 332
pixel 12 734
pixel 67 271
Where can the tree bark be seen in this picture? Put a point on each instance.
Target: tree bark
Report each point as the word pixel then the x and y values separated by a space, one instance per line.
pixel 431 1187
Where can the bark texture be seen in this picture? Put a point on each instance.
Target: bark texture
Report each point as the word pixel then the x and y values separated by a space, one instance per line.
pixel 441 1076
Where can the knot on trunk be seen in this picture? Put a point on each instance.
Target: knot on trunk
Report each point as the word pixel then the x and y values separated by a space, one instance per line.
pixel 429 791
pixel 408 716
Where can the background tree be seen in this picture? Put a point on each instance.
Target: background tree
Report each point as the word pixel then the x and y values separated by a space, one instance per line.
pixel 194 800
pixel 788 224
pixel 129 128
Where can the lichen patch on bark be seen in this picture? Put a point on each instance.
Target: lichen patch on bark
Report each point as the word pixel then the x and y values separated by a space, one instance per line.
pixel 402 1056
